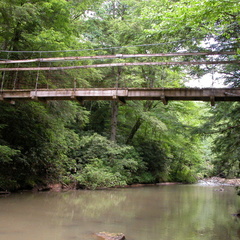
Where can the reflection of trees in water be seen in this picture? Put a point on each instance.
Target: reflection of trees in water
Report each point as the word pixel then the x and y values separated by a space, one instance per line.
pixel 204 213
pixel 175 212
pixel 90 204
pixel 172 212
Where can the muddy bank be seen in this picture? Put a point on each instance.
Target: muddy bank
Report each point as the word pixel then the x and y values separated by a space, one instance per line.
pixel 220 181
pixel 59 187
pixel 213 181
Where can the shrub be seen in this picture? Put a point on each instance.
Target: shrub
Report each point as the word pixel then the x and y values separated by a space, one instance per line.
pixel 102 163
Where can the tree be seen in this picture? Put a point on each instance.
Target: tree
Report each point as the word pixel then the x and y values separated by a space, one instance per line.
pixel 36 140
pixel 66 142
pixel 113 25
pixel 215 23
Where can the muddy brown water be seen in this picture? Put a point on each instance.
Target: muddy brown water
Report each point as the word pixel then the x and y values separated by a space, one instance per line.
pixel 174 212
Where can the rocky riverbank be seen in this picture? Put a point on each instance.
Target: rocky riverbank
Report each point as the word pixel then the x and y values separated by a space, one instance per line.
pixel 220 181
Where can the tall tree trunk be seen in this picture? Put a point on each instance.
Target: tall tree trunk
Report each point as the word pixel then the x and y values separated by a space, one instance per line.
pixel 114 121
pixel 113 136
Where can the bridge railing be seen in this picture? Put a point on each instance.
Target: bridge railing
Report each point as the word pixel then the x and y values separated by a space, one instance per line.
pixel 47 80
pixel 39 79
pixel 35 71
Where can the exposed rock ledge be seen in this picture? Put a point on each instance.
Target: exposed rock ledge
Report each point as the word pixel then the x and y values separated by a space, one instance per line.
pixel 110 236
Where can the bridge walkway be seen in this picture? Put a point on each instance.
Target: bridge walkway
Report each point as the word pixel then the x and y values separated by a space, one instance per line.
pixel 124 94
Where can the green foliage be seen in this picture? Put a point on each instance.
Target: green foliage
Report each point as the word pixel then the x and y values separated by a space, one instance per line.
pixel 6 154
pixel 41 139
pixel 96 154
pixel 155 159
pixel 185 175
pixel 98 176
pixel 62 141
pixel 168 143
pixel 192 18
pixel 31 23
pixel 224 124
pixel 103 163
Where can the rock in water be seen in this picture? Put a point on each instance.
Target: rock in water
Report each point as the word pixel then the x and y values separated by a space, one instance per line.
pixel 111 236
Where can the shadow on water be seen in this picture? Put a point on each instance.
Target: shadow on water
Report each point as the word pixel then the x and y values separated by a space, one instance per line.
pixel 176 212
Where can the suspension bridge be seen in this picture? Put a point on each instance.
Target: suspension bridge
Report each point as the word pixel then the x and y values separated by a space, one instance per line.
pixel 11 90
pixel 122 95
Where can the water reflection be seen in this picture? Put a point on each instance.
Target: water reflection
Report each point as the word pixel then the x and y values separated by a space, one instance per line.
pixel 184 212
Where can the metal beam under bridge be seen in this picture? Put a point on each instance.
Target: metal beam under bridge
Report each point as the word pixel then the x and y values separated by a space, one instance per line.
pixel 123 94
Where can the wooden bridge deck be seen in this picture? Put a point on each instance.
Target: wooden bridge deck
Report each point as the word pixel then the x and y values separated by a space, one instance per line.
pixel 122 95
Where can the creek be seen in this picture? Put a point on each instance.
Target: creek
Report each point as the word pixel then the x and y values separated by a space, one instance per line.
pixel 171 212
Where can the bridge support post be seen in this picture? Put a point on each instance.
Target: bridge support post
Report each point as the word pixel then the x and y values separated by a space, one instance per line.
pixel 75 98
pixel 164 100
pixel 212 100
pixel 119 99
pixel 35 98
